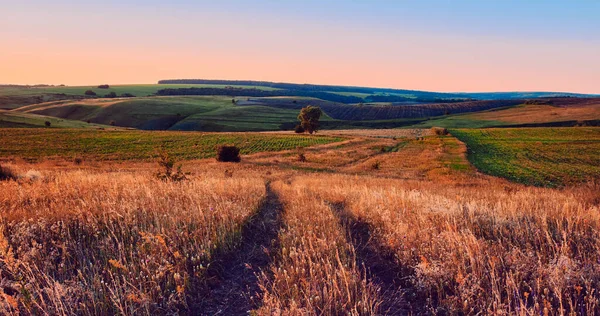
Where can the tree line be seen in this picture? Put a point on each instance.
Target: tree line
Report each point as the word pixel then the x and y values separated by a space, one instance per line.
pixel 253 92
pixel 315 87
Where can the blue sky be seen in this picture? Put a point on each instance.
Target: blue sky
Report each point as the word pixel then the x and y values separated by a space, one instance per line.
pixel 432 45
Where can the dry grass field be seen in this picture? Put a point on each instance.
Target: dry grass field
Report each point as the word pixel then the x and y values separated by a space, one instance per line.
pixel 368 224
pixel 560 110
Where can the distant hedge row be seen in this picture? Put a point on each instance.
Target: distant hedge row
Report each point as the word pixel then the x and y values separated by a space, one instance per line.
pixel 232 91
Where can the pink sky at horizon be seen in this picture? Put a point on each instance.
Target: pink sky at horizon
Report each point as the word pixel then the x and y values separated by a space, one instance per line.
pixel 85 50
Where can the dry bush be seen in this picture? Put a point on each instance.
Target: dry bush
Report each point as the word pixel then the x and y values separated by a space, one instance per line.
pixel 481 249
pixel 228 154
pixel 376 165
pixel 115 243
pixel 315 272
pixel 301 155
pixel 167 172
pixel 7 173
pixel 440 131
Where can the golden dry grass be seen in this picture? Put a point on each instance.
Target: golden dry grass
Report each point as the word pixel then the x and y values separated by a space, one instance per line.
pixel 487 248
pixel 421 234
pixel 315 271
pixel 542 113
pixel 109 243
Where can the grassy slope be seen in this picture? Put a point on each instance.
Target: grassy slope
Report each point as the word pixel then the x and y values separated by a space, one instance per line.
pixel 521 114
pixel 537 156
pixel 16 119
pixel 199 113
pixel 541 114
pixel 34 144
pixel 147 113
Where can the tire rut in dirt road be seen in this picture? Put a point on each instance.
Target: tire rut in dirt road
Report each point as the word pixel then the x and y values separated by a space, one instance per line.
pixel 379 264
pixel 233 287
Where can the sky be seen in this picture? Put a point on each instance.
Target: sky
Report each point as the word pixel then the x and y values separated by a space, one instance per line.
pixel 450 46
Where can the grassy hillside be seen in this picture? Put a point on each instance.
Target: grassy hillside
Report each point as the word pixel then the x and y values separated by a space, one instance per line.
pixel 538 156
pixel 549 112
pixel 34 144
pixel 385 111
pixel 16 119
pixel 171 113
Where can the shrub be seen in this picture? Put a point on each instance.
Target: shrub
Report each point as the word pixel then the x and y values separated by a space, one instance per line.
pixel 228 154
pixel 166 172
pixel 301 156
pixel 7 173
pixel 47 123
pixel 103 86
pixel 299 129
pixel 127 95
pixel 90 93
pixel 439 131
pixel 77 160
pixel 376 165
pixel 113 123
pixel 111 95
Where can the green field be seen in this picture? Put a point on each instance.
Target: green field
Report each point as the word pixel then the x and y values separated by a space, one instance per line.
pixel 538 156
pixel 36 144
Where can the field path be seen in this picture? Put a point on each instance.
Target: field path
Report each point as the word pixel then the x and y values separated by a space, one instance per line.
pixel 379 264
pixel 234 288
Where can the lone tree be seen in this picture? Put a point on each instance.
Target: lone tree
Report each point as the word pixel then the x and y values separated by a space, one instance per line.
pixel 47 123
pixel 309 118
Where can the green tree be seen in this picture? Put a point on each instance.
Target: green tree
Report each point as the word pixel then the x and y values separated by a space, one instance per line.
pixel 309 118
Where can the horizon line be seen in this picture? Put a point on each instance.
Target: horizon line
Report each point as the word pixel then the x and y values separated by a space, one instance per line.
pixel 300 83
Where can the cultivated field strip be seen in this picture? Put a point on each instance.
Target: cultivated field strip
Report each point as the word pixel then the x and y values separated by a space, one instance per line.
pixel 83 243
pixel 39 144
pixel 550 157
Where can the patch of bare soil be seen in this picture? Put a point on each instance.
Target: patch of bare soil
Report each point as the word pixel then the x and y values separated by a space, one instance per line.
pixel 233 283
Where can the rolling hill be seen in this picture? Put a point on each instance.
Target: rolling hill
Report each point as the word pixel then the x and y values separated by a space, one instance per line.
pixel 537 113
pixel 206 105
pixel 18 119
